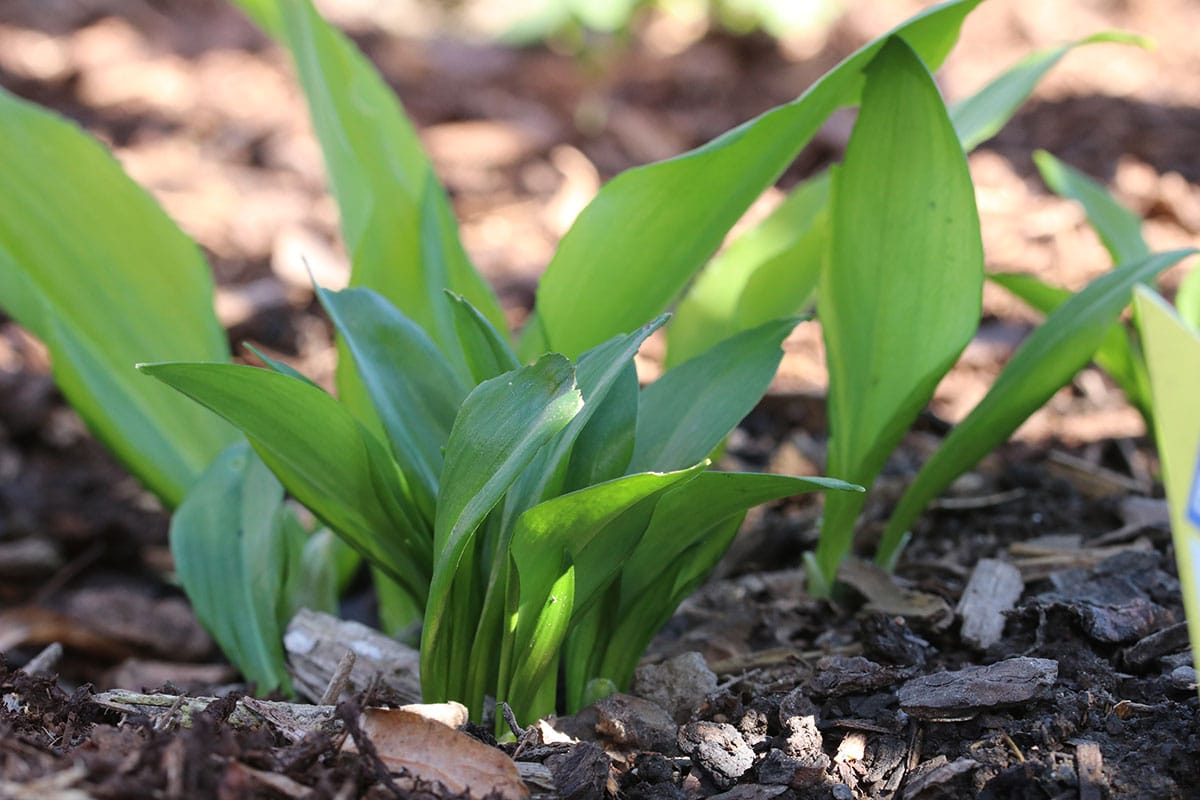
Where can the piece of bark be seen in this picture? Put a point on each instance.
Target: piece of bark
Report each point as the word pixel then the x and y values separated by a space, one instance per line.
pixel 678 684
pixel 1089 766
pixel 994 588
pixel 317 642
pixel 960 695
pixel 636 722
pixel 582 773
pixel 718 749
pixel 836 676
pixel 1168 640
pixel 780 769
pixel 750 791
pixel 934 775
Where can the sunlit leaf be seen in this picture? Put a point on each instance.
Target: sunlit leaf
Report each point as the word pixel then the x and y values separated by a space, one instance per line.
pixel 900 295
pixel 673 215
pixel 1045 362
pixel 92 266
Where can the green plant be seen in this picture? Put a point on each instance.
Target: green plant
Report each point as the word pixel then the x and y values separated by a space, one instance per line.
pixel 531 513
pixel 888 244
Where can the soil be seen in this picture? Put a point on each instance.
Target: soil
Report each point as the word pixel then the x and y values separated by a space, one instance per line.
pixel 887 691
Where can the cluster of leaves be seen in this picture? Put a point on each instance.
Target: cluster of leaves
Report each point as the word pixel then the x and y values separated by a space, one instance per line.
pixel 539 511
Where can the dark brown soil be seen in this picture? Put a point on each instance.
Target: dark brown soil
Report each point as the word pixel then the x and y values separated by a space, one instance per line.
pixel 828 699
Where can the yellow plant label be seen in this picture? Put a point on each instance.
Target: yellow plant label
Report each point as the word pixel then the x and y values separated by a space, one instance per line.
pixel 1172 352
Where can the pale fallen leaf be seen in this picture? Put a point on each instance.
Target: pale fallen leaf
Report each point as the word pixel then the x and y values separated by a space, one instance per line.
pixel 421 748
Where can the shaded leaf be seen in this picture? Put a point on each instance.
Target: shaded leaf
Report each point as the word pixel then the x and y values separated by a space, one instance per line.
pixel 766 273
pixel 411 386
pixel 227 542
pixel 323 455
pixel 686 413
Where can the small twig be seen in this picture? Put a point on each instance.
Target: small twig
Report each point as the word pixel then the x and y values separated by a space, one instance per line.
pixel 348 712
pixel 337 683
pixel 511 720
pixel 167 720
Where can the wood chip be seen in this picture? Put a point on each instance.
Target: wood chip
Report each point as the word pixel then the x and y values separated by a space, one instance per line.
pixel 931 776
pixel 317 642
pixel 994 588
pixel 960 695
pixel 1089 766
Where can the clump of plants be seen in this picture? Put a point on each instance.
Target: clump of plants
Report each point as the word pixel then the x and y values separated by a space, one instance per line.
pixel 536 509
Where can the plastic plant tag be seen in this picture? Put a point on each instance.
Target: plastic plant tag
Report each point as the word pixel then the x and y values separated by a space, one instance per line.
pixel 1173 357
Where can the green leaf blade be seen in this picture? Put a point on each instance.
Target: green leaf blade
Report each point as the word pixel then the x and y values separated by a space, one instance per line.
pixel 675 213
pixel 500 428
pixel 901 294
pixel 1044 363
pixel 126 285
pixel 324 457
pixel 1119 228
pixel 687 412
pixel 981 116
pixel 410 384
pixel 225 539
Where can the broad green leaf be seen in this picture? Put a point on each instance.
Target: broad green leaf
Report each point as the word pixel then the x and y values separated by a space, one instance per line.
pixel 767 273
pixel 1045 362
pixel 227 541
pixel 396 219
pixel 711 505
pixel 486 351
pixel 1187 299
pixel 92 266
pixel 397 610
pixel 900 295
pixel 981 116
pixel 672 215
pixel 411 386
pixel 323 455
pixel 499 429
pixel 1115 356
pixel 686 413
pixel 315 581
pixel 1119 228
pixel 771 270
pixel 600 370
pixel 1173 355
